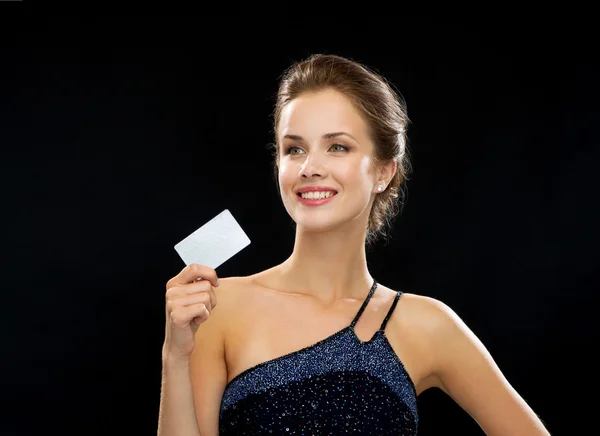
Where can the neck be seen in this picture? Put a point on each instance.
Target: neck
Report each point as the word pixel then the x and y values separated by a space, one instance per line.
pixel 329 265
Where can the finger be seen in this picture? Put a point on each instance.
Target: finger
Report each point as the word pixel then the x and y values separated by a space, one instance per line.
pixel 192 288
pixel 183 315
pixel 191 273
pixel 190 300
pixel 204 287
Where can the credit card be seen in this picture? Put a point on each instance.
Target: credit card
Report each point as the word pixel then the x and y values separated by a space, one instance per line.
pixel 213 243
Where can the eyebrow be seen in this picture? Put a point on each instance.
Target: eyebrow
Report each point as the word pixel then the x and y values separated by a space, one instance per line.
pixel 325 136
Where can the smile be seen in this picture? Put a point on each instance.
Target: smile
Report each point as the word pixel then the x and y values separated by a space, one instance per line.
pixel 316 198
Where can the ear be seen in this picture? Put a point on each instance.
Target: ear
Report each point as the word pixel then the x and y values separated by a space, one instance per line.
pixel 387 172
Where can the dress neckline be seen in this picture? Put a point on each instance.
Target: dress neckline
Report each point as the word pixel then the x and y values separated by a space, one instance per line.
pixel 332 336
pixel 322 341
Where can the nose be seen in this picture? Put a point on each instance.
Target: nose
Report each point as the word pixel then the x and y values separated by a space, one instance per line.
pixel 312 167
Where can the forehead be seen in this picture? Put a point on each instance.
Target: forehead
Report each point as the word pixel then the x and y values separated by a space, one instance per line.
pixel 314 114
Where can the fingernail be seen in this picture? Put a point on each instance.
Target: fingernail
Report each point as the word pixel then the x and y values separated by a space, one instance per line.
pixel 218 282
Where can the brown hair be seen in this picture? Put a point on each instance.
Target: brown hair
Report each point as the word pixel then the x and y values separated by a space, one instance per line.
pixel 383 109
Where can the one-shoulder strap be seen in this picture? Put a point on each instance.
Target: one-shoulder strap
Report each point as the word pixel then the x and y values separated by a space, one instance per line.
pixel 364 305
pixel 384 323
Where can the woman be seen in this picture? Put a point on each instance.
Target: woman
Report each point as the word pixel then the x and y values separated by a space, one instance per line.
pixel 315 345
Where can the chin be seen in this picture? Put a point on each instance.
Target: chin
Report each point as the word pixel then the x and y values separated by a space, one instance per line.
pixel 318 221
pixel 316 225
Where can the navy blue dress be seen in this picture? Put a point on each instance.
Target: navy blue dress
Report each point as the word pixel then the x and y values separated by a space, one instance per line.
pixel 340 385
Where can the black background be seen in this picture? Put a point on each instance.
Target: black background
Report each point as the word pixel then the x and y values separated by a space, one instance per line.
pixel 121 136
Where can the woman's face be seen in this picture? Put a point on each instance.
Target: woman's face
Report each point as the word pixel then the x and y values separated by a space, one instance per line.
pixel 324 141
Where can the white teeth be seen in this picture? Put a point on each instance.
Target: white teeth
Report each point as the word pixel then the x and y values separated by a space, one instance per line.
pixel 317 195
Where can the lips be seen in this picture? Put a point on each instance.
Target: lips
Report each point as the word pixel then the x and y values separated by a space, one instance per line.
pixel 315 202
pixel 315 188
pixel 299 194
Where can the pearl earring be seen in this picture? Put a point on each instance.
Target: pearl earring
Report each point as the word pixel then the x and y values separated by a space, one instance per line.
pixel 380 188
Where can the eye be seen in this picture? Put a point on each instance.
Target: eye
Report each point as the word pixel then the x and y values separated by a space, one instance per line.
pixel 288 150
pixel 342 146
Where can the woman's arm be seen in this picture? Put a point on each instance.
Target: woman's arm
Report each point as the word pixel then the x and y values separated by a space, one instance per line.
pixel 177 415
pixel 192 388
pixel 466 371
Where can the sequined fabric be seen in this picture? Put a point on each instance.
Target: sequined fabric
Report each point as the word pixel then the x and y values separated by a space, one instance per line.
pixel 340 385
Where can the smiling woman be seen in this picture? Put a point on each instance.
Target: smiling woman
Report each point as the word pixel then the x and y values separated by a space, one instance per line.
pixel 381 110
pixel 315 345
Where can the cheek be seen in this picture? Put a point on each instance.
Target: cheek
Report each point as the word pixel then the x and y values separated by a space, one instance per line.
pixel 355 173
pixel 285 174
pixel 365 165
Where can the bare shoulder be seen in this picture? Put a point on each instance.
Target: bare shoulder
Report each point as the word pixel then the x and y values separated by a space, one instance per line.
pixel 235 297
pixel 433 322
pixel 216 326
pixel 427 313
pixel 228 294
pixel 228 289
